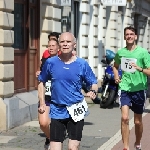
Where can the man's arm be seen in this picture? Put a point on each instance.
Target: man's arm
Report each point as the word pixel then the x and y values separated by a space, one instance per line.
pixel 90 80
pixel 39 67
pixel 146 62
pixel 116 73
pixel 41 96
pixel 94 88
pixel 38 71
pixel 145 71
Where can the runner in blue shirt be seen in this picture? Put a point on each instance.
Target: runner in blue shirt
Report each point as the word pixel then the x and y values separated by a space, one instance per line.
pixel 68 107
pixel 44 119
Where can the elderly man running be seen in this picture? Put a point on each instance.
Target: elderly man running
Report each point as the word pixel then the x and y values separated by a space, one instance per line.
pixel 68 106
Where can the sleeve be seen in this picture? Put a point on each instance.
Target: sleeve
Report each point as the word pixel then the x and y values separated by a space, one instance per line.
pixel 117 59
pixel 146 59
pixel 45 73
pixel 88 75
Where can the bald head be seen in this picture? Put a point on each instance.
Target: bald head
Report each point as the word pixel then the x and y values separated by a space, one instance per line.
pixel 68 34
pixel 67 42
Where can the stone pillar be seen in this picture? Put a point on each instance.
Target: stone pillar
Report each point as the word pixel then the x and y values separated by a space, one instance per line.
pixel 120 29
pixel 93 37
pixel 84 29
pixel 111 27
pixel 145 35
pixel 6 57
pixel 49 21
pixel 6 50
pixel 141 29
pixel 101 38
pixel 128 21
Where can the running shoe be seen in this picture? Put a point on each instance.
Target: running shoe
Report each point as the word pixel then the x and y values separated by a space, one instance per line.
pixel 137 147
pixel 47 144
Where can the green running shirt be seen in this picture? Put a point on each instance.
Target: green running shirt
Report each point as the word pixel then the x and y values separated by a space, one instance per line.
pixel 132 79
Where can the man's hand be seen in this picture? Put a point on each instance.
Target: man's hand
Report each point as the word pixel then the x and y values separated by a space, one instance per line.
pixel 116 73
pixel 117 80
pixel 37 73
pixel 42 108
pixel 136 67
pixel 91 94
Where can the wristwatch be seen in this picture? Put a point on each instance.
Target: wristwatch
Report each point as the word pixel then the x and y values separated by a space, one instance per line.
pixel 94 91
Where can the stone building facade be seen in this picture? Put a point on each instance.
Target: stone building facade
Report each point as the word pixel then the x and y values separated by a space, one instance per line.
pixel 24 27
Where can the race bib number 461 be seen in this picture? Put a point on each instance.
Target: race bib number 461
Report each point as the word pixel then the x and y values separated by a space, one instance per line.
pixel 126 64
pixel 78 111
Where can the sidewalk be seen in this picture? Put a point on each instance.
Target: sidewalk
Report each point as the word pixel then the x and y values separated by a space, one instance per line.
pixel 115 143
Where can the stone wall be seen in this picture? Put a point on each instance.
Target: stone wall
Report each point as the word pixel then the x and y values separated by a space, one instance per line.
pixel 50 21
pixel 6 57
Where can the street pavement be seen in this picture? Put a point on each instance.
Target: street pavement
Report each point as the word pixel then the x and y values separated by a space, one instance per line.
pixel 101 132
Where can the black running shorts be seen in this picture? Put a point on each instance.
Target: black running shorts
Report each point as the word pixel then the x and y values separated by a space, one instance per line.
pixel 58 129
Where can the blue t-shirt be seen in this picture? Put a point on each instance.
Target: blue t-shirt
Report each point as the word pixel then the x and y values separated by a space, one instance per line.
pixel 66 83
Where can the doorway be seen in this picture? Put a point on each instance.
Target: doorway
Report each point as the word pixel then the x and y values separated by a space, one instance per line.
pixel 26 44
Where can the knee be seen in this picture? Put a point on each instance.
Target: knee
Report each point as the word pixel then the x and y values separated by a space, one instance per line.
pixel 137 122
pixel 73 147
pixel 44 124
pixel 125 119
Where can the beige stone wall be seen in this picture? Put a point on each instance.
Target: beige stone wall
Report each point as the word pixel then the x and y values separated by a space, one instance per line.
pixel 3 120
pixel 50 16
pixel 6 50
pixel 6 57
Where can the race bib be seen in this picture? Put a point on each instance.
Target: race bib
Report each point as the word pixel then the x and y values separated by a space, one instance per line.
pixel 48 88
pixel 126 64
pixel 78 111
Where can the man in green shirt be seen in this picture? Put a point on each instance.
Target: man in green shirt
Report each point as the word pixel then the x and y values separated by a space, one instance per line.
pixel 135 64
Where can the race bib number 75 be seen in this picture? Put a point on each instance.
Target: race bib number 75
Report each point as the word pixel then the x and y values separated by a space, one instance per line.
pixel 78 111
pixel 126 64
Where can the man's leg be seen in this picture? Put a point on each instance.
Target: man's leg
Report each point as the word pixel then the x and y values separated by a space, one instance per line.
pixel 57 135
pixel 73 145
pixel 138 106
pixel 138 128
pixel 125 125
pixel 55 145
pixel 75 134
pixel 44 121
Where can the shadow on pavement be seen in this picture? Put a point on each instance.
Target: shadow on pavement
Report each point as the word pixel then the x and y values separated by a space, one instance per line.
pixel 114 105
pixel 41 135
pixel 88 123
